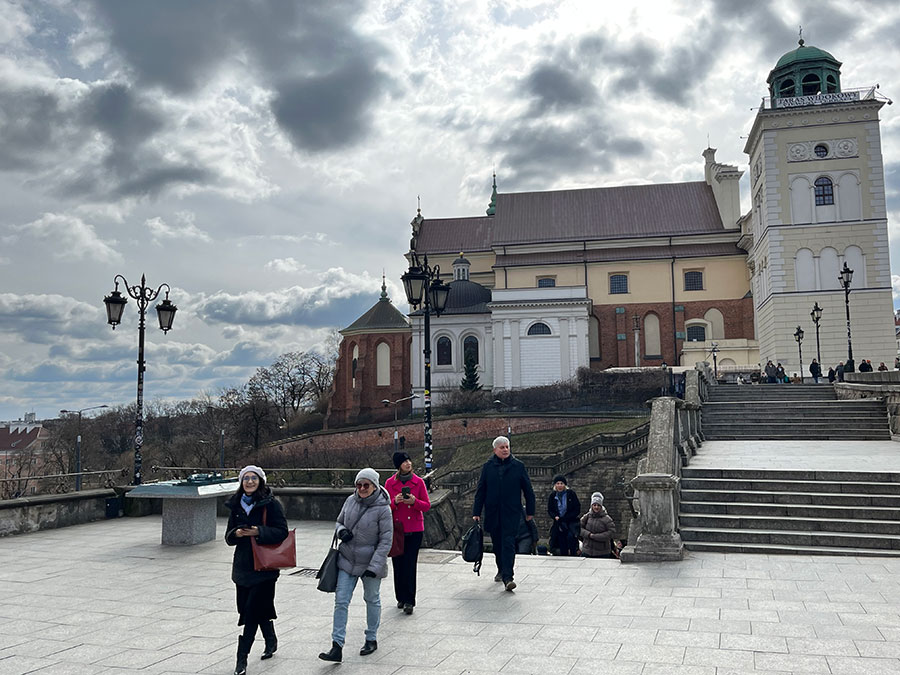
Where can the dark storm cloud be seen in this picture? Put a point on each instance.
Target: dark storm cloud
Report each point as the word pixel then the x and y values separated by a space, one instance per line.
pixel 325 76
pixel 323 112
pixel 32 124
pixel 114 110
pixel 42 319
pixel 556 87
pixel 536 154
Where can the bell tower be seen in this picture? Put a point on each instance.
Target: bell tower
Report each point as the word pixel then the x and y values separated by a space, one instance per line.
pixel 818 202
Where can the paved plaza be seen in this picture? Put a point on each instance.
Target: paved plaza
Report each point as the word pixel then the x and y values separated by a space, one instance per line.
pixel 108 598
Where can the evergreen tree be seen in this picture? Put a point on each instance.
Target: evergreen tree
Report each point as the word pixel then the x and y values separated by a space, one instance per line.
pixel 470 381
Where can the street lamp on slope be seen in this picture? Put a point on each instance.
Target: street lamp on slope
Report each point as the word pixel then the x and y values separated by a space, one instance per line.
pixel 798 336
pixel 845 277
pixel 78 440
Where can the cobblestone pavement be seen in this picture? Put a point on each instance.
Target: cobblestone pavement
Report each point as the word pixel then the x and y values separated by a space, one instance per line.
pixel 108 598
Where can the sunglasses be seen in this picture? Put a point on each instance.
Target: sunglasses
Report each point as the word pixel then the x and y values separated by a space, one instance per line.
pixel 364 486
pixel 250 479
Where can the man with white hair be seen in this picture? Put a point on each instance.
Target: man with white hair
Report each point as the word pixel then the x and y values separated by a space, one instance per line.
pixel 503 483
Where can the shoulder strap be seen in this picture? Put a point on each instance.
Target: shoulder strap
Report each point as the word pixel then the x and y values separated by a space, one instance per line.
pixel 265 508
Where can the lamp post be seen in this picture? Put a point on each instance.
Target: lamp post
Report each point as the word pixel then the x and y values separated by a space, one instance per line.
pixel 394 403
pixel 115 305
pixel 715 355
pixel 423 286
pixel 497 401
pixel 816 316
pixel 78 440
pixel 845 277
pixel 798 336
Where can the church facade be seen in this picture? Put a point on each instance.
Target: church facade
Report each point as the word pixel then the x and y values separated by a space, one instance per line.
pixel 549 282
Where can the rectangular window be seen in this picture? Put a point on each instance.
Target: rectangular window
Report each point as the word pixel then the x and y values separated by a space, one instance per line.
pixel 693 281
pixel 618 283
pixel 546 282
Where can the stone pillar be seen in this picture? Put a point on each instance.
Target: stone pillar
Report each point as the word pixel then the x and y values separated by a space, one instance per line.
pixel 659 540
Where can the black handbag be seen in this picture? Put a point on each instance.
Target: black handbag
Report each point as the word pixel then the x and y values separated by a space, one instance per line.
pixel 472 547
pixel 328 572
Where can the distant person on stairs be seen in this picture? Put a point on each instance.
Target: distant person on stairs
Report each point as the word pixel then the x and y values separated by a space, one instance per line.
pixel 597 530
pixel 832 376
pixel 840 372
pixel 770 372
pixel 565 510
pixel 815 370
pixel 780 375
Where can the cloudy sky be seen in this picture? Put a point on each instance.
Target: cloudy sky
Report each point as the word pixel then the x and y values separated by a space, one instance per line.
pixel 263 158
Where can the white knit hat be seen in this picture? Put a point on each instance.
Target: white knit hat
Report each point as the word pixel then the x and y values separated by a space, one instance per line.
pixel 370 475
pixel 252 468
pixel 597 498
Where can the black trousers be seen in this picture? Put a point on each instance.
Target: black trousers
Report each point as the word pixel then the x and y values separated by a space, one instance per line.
pixel 405 568
pixel 504 544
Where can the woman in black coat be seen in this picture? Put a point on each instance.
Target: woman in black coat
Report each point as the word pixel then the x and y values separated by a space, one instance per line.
pixel 252 504
pixel 565 510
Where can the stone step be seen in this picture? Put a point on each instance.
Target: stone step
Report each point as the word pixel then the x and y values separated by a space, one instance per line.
pixel 801 436
pixel 849 512
pixel 781 549
pixel 786 498
pixel 786 485
pixel 837 540
pixel 792 474
pixel 807 404
pixel 861 527
pixel 813 424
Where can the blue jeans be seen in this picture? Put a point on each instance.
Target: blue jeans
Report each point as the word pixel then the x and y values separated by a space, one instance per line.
pixel 346 584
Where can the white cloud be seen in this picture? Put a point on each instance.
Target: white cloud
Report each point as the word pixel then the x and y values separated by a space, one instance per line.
pixel 184 230
pixel 895 286
pixel 67 236
pixel 285 266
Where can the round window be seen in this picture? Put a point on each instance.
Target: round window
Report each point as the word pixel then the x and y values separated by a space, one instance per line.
pixel 821 150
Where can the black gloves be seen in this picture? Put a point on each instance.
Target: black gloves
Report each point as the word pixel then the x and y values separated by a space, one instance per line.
pixel 345 536
pixel 369 573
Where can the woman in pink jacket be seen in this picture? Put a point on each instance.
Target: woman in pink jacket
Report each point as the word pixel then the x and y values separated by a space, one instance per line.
pixel 409 502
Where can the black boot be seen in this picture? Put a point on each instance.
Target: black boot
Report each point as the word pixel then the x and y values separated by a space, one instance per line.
pixel 268 631
pixel 368 648
pixel 244 644
pixel 336 653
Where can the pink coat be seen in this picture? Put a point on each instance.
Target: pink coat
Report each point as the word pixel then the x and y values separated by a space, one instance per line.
pixel 412 516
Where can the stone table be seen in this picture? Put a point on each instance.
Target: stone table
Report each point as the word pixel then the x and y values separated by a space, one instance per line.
pixel 189 509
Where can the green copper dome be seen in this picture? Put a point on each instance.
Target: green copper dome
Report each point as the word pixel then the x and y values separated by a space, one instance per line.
pixel 804 53
pixel 805 71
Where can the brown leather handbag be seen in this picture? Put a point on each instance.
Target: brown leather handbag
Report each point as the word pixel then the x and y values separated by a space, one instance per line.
pixel 267 557
pixel 398 542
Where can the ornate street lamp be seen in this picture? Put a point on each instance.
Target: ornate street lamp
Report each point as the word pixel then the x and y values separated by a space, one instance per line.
pixel 115 304
pixel 845 277
pixel 423 286
pixel 816 316
pixel 798 336
pixel 78 440
pixel 715 354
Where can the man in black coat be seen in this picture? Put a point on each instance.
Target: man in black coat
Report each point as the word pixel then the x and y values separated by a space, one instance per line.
pixel 503 483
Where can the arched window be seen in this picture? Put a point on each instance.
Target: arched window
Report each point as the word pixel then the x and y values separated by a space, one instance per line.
pixel 383 365
pixel 693 281
pixel 853 256
pixel 824 191
pixel 830 84
pixel 618 283
pixel 546 282
pixel 594 337
pixel 829 268
pixel 805 270
pixel 812 85
pixel 651 336
pixel 470 349
pixel 353 364
pixel 716 323
pixel 539 329
pixel 786 90
pixel 696 333
pixel 444 352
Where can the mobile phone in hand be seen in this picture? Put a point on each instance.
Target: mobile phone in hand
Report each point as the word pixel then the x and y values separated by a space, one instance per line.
pixel 404 491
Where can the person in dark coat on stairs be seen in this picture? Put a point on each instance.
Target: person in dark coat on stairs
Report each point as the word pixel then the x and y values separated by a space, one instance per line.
pixel 503 483
pixel 565 510
pixel 832 376
pixel 815 370
pixel 255 590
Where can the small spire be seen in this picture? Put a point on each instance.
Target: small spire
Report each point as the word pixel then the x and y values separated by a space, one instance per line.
pixel 492 207
pixel 384 295
pixel 800 41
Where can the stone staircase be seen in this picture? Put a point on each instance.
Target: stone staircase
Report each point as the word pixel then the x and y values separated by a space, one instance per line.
pixel 798 512
pixel 791 412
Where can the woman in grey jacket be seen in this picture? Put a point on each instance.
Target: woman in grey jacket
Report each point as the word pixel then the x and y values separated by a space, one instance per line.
pixel 365 528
